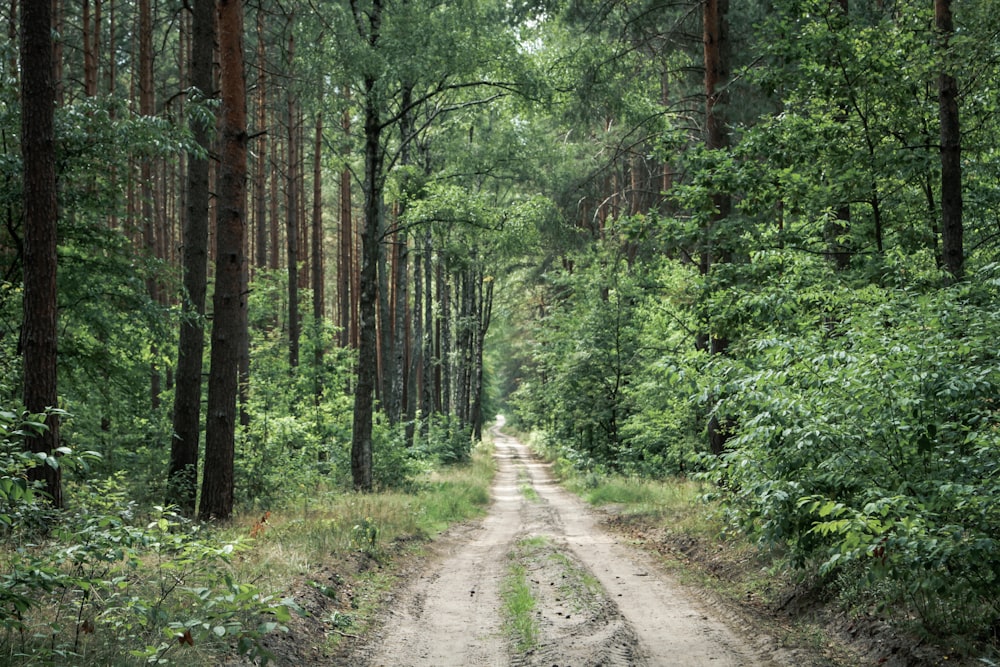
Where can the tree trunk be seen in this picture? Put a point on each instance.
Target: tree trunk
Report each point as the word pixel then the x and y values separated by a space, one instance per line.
pixel 317 226
pixel 183 470
pixel 427 374
pixel 414 381
pixel 400 306
pixel 361 440
pixel 317 259
pixel 444 353
pixel 305 223
pixel 483 316
pixel 292 230
pixel 345 261
pixel 716 72
pixel 90 36
pixel 385 355
pixel 839 251
pixel 260 177
pixel 112 32
pixel 952 252
pixel 146 192
pixel 400 303
pixel 463 344
pixel 39 332
pixel 274 244
pixel 228 302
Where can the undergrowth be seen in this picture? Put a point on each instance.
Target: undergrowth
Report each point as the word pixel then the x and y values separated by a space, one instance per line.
pixel 112 582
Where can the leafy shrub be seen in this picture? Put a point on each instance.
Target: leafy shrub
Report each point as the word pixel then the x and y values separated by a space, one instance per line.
pixel 110 586
pixel 870 443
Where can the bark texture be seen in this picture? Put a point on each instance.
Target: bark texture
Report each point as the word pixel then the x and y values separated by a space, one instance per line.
pixel 39 332
pixel 183 470
pixel 228 302
pixel 952 251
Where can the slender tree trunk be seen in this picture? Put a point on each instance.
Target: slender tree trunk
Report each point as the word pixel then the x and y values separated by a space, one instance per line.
pixel 317 257
pixel 183 471
pixel 292 230
pixel 113 34
pixel 39 333
pixel 274 244
pixel 385 353
pixel 427 371
pixel 484 308
pixel 300 182
pixel 89 52
pixel 716 72
pixel 345 262
pixel 146 192
pixel 463 344
pixel 361 443
pixel 445 357
pixel 952 251
pixel 838 249
pixel 414 382
pixel 260 177
pixel 356 253
pixel 400 306
pixel 228 302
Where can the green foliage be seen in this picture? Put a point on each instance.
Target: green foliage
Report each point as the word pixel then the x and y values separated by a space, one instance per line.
pixel 23 505
pixel 868 441
pixel 298 437
pixel 113 586
pixel 613 376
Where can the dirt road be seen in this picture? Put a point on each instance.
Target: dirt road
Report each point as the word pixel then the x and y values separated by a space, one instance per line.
pixel 597 602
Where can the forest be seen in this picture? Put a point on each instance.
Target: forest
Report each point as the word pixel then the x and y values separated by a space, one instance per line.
pixel 258 254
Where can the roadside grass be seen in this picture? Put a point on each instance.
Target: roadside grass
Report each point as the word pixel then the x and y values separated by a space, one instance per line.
pixel 669 500
pixel 162 590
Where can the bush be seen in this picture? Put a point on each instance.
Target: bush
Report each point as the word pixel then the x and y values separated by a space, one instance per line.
pixel 870 444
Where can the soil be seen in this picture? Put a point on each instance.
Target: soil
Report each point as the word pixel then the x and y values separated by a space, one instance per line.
pixel 598 600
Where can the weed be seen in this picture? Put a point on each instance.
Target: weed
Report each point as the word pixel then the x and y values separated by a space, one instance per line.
pixel 519 607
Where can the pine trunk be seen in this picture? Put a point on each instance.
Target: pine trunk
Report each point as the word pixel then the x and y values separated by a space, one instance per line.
pixel 427 371
pixel 39 332
pixel 228 301
pixel 345 260
pixel 260 176
pixel 292 231
pixel 146 191
pixel 183 470
pixel 317 259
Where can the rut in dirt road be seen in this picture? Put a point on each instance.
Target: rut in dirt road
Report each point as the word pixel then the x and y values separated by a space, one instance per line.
pixel 596 602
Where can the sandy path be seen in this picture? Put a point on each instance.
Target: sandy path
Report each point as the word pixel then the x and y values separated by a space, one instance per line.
pixel 451 615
